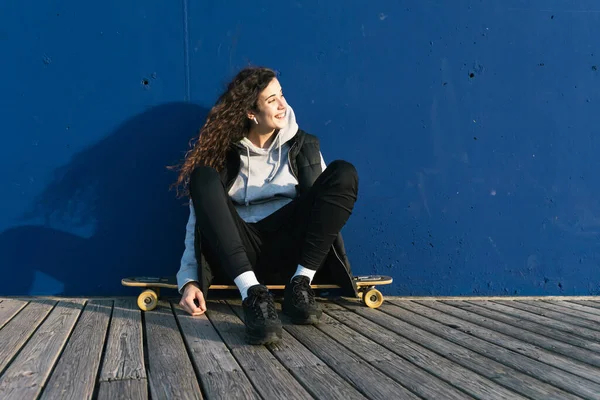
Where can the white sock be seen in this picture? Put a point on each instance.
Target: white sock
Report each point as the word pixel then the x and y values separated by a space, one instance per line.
pixel 305 272
pixel 244 281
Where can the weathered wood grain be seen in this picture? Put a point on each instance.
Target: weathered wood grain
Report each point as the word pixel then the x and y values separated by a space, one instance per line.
pixel 124 353
pixel 391 345
pixel 409 375
pixel 480 309
pixel 588 303
pixel 574 331
pixel 316 377
pixel 75 374
pixel 370 381
pixel 268 376
pixel 427 348
pixel 531 307
pixel 594 313
pixel 26 375
pixel 536 346
pixel 170 371
pixel 479 364
pixel 8 309
pixel 18 330
pixel 556 306
pixel 128 389
pixel 431 320
pixel 221 376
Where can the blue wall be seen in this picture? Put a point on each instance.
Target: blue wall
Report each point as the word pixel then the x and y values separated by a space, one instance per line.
pixel 475 127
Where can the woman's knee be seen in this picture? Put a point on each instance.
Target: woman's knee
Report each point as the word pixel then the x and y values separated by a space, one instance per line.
pixel 345 174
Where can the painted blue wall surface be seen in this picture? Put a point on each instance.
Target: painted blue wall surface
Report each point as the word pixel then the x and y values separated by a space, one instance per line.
pixel 474 125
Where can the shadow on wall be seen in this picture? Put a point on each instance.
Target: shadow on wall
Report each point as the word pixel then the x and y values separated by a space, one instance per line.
pixel 117 191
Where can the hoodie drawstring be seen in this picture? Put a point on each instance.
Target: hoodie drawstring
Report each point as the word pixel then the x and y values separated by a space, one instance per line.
pixel 274 172
pixel 271 175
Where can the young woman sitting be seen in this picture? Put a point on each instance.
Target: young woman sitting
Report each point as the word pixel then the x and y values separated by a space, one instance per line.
pixel 264 207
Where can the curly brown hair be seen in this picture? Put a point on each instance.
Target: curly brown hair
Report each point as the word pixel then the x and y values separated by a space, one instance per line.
pixel 227 122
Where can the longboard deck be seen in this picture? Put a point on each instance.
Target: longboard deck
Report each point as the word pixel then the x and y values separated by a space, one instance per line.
pixel 148 299
pixel 171 283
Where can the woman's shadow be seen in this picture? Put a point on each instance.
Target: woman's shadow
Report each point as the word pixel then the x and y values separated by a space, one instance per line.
pixel 109 213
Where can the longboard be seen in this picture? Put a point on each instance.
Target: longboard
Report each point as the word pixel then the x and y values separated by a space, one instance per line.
pixel 148 299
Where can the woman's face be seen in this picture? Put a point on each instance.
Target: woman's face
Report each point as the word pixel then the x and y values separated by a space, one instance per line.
pixel 271 107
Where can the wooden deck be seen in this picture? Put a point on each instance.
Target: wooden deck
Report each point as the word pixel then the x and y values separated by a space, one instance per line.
pixel 456 348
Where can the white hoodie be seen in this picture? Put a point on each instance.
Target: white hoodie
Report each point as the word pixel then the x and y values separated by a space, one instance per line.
pixel 264 184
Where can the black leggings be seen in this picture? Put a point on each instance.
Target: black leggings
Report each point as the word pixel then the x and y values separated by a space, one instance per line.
pixel 301 232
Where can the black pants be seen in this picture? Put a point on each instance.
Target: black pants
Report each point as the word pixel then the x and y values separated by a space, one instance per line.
pixel 301 232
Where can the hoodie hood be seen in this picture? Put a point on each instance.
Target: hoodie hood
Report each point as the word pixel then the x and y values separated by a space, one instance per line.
pixel 250 151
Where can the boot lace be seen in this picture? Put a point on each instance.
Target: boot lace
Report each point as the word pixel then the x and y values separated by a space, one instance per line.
pixel 262 306
pixel 303 293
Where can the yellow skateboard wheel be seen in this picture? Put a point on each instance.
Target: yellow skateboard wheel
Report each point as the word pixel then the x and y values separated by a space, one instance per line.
pixel 372 298
pixel 147 300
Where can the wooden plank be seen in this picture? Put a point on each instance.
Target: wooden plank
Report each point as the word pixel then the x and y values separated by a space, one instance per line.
pixel 479 308
pixel 220 374
pixel 318 379
pixel 594 313
pixel 394 344
pixel 415 314
pixel 75 374
pixel 129 389
pixel 19 329
pixel 124 354
pixel 556 306
pixel 587 303
pixel 371 382
pixel 549 323
pixel 320 382
pixel 27 374
pixel 8 309
pixel 409 375
pixel 559 317
pixel 489 368
pixel 266 373
pixel 528 343
pixel 170 371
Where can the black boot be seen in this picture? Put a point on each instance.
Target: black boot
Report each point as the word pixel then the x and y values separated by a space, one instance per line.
pixel 299 302
pixel 260 316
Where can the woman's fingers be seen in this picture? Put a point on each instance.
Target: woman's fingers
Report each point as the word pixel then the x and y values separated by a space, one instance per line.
pixel 201 302
pixel 189 299
pixel 185 306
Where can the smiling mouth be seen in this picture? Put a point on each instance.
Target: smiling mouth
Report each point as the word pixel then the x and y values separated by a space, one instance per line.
pixel 280 116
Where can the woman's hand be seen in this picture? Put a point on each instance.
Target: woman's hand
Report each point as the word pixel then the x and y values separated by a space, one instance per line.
pixel 192 295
